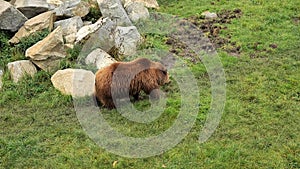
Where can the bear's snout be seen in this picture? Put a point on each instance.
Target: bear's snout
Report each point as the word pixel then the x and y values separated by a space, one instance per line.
pixel 168 79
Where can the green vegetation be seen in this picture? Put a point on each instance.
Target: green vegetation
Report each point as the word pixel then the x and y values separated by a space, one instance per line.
pixel 259 127
pixel 94 13
pixel 10 53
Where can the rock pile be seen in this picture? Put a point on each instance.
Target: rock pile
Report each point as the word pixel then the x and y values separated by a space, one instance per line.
pixel 64 19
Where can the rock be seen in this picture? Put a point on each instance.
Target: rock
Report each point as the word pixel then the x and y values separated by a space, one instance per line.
pixel 85 31
pixel 147 3
pixel 81 10
pixel 114 10
pixel 31 8
pixel 99 58
pixel 37 23
pixel 48 52
pixel 103 38
pixel 127 39
pixel 100 32
pixel 19 69
pixel 209 15
pixel 69 28
pixel 69 46
pixel 69 8
pixel 10 18
pixel 66 3
pixel 75 82
pixel 1 75
pixel 137 11
pixel 86 23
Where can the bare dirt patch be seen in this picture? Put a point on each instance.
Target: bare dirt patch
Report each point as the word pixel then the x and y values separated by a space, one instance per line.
pixel 296 20
pixel 211 29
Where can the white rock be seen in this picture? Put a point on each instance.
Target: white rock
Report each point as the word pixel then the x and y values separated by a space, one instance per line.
pixel 137 11
pixel 19 69
pixel 100 34
pixel 81 10
pixel 86 23
pixel 10 18
pixel 147 3
pixel 70 27
pixel 127 39
pixel 114 10
pixel 75 82
pixel 103 38
pixel 62 3
pixel 69 46
pixel 85 31
pixel 209 15
pixel 69 8
pixel 99 58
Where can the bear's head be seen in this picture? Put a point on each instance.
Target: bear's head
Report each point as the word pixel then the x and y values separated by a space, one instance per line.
pixel 162 73
pixel 156 70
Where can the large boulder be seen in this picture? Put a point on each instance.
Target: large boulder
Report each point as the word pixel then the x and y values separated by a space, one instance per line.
pixel 69 8
pixel 37 23
pixel 102 38
pixel 48 52
pixel 114 10
pixel 127 39
pixel 81 10
pixel 75 82
pixel 99 34
pixel 69 28
pixel 19 69
pixel 31 8
pixel 87 30
pixel 137 11
pixel 147 3
pixel 53 4
pixel 99 58
pixel 10 18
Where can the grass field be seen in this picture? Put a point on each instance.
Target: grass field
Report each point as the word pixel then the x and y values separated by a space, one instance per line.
pixel 259 127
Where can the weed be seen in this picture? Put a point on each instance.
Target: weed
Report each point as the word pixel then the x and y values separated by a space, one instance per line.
pixel 72 56
pixel 29 41
pixel 94 13
pixel 10 53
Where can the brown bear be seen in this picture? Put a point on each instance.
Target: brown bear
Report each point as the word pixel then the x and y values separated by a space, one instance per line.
pixel 123 79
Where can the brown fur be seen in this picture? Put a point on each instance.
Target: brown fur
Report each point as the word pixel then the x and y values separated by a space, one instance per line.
pixel 121 78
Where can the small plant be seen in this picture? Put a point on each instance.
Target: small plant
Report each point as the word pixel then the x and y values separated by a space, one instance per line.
pixel 72 55
pixel 4 48
pixel 29 41
pixel 94 13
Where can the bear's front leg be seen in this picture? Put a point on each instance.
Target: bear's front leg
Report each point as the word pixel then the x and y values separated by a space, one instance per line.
pixel 136 96
pixel 154 94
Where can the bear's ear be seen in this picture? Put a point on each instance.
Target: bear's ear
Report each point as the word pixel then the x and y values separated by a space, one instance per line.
pixel 146 63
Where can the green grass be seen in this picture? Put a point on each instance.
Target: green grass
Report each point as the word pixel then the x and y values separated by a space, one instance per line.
pixel 259 127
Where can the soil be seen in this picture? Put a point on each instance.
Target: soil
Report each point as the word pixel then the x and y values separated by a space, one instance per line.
pixel 296 20
pixel 211 29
